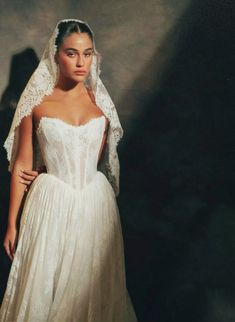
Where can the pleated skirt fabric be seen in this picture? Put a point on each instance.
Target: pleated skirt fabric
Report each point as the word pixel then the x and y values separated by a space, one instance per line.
pixel 69 262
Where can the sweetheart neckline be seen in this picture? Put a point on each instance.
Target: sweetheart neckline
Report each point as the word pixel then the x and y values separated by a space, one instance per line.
pixel 66 123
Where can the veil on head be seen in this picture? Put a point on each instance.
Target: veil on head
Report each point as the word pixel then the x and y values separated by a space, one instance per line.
pixel 41 83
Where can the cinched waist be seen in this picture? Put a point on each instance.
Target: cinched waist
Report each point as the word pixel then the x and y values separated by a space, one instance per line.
pixel 68 185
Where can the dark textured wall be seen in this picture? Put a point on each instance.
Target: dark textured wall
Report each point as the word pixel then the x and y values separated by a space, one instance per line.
pixel 168 67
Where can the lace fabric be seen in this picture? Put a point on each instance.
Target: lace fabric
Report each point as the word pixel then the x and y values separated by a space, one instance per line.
pixel 78 144
pixel 41 83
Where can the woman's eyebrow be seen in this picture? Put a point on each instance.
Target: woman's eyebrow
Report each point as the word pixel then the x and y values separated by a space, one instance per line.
pixel 78 50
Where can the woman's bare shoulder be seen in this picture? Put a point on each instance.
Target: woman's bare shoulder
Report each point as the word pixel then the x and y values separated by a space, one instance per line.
pixel 99 111
pixel 44 108
pixel 46 102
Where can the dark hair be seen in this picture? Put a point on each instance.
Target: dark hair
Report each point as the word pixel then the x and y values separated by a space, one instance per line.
pixel 66 28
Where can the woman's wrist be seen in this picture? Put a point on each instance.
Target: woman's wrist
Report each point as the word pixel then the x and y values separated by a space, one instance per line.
pixel 11 225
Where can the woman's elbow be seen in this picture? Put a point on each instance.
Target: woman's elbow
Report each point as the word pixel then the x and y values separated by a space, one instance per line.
pixel 23 161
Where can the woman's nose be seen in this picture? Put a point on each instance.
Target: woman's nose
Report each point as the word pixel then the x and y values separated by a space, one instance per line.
pixel 80 61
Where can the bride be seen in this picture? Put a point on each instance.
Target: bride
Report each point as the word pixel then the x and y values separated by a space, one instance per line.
pixel 68 255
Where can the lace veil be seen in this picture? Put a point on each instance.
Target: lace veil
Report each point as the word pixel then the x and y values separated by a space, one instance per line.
pixel 41 83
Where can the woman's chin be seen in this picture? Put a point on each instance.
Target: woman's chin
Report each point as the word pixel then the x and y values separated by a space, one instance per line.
pixel 73 78
pixel 79 78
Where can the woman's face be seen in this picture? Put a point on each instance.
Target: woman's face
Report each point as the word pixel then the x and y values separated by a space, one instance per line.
pixel 74 56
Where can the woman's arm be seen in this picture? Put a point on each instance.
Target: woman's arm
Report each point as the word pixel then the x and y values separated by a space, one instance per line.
pixel 24 160
pixel 28 176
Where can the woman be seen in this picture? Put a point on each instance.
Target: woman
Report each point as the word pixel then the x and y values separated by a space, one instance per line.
pixel 68 257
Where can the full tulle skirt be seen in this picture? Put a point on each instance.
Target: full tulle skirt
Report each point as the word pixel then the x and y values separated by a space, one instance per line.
pixel 69 261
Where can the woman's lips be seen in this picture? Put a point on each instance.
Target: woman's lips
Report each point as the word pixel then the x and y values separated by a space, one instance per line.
pixel 78 72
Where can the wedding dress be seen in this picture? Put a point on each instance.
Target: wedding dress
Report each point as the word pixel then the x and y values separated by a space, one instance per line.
pixel 69 261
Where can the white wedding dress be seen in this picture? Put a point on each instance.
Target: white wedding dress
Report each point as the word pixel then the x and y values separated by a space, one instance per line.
pixel 69 262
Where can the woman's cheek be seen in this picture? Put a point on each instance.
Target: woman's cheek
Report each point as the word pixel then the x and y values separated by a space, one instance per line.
pixel 89 65
pixel 68 65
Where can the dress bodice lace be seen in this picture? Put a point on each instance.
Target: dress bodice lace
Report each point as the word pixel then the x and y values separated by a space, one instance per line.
pixel 70 152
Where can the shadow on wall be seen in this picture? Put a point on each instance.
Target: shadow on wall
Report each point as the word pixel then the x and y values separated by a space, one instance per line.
pixel 177 176
pixel 22 67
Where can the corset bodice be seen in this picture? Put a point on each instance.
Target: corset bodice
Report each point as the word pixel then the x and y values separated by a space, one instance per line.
pixel 70 152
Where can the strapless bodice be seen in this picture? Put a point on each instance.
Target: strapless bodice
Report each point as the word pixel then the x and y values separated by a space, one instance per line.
pixel 70 152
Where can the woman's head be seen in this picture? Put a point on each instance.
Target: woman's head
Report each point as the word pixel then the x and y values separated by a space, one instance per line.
pixel 75 48
pixel 66 28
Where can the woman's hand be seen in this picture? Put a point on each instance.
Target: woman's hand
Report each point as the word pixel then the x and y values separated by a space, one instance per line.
pixel 28 176
pixel 10 241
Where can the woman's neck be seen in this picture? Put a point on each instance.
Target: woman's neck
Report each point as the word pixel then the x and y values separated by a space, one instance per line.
pixel 70 87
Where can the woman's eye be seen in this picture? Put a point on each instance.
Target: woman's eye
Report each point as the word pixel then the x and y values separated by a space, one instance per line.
pixel 71 54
